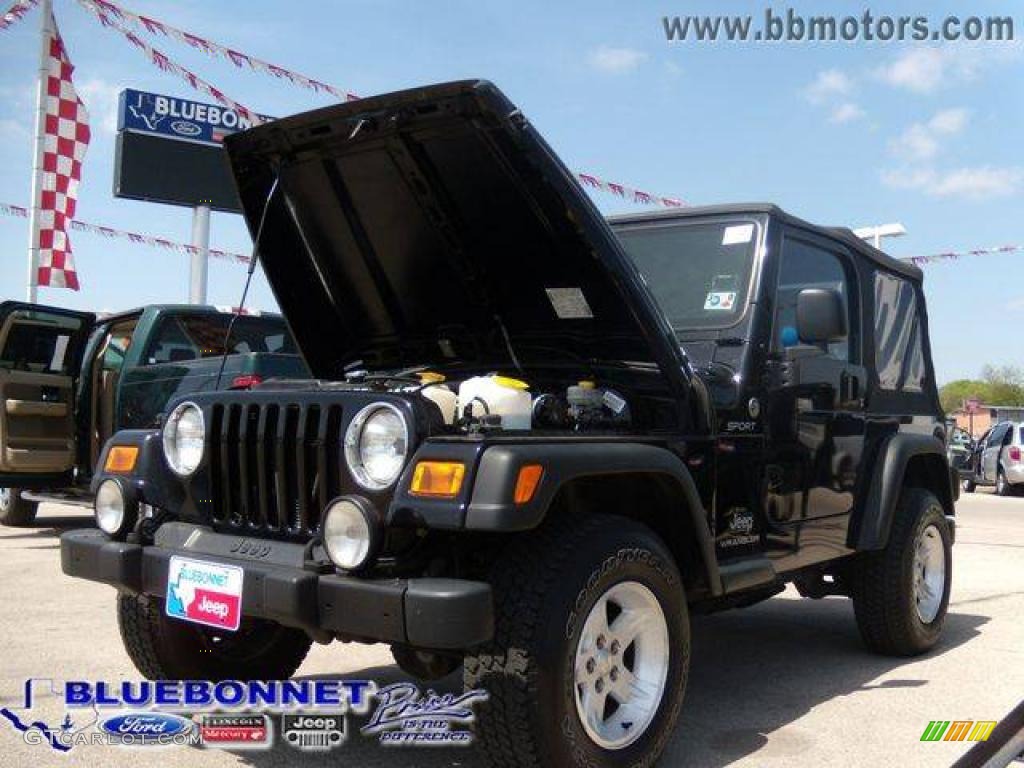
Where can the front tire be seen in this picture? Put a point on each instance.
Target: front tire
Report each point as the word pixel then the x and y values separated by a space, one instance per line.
pixel 14 510
pixel 591 651
pixel 163 648
pixel 967 486
pixel 901 593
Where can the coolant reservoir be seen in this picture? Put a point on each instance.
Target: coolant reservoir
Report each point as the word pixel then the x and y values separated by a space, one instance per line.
pixel 439 393
pixel 498 396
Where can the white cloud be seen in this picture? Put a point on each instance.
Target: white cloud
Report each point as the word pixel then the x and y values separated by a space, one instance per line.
pixel 846 112
pixel 949 121
pixel 1016 305
pixel 922 141
pixel 924 70
pixel 101 99
pixel 920 69
pixel 828 84
pixel 978 183
pixel 616 60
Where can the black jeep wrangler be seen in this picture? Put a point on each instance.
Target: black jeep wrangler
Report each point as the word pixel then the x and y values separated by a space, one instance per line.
pixel 538 440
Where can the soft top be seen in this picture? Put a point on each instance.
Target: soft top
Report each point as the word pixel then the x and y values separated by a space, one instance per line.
pixel 844 234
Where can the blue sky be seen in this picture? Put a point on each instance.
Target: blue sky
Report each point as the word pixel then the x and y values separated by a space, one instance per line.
pixel 847 134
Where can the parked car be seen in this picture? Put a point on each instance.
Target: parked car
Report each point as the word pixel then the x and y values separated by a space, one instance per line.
pixel 537 442
pixel 959 447
pixel 69 381
pixel 997 460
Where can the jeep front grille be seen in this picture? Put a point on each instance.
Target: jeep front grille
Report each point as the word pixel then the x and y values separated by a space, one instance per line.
pixel 274 467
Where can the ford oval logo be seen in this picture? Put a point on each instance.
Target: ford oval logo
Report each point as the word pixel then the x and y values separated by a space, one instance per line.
pixel 146 727
pixel 185 128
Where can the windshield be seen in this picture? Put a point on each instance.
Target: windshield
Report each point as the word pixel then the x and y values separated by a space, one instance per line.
pixel 192 337
pixel 699 272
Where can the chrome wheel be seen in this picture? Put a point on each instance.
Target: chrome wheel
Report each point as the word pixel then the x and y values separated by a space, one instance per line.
pixel 5 498
pixel 929 574
pixel 621 665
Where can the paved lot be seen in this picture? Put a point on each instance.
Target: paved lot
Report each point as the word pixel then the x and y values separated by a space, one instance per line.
pixel 785 683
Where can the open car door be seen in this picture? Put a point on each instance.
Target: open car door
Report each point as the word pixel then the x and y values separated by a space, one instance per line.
pixel 40 358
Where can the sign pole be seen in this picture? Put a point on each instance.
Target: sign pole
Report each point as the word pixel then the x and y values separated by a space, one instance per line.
pixel 39 148
pixel 199 269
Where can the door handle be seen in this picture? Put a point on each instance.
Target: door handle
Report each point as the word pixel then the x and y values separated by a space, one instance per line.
pixel 849 388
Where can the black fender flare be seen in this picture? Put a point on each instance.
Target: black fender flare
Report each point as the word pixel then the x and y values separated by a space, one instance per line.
pixel 871 526
pixel 491 506
pixel 151 481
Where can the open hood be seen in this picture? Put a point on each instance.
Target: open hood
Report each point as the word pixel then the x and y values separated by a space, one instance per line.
pixel 435 226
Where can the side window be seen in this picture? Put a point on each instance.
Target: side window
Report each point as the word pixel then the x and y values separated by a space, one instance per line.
pixel 38 342
pixel 809 266
pixel 898 352
pixel 996 436
pixel 119 339
pixel 171 345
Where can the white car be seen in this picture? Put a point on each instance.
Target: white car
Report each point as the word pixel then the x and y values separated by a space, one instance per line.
pixel 998 460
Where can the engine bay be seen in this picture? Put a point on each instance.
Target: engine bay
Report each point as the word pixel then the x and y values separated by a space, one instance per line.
pixel 494 402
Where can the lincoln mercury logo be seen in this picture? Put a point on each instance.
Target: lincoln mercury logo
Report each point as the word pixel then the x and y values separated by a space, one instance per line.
pixel 958 730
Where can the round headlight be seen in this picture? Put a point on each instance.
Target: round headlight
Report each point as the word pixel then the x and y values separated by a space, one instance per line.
pixel 351 532
pixel 376 444
pixel 115 514
pixel 184 436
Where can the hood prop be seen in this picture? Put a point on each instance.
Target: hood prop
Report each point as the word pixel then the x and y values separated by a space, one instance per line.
pixel 248 281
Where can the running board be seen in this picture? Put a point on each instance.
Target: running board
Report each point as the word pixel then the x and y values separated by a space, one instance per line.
pixel 57 498
pixel 747 574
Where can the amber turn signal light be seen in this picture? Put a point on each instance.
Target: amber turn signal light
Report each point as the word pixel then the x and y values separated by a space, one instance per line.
pixel 121 458
pixel 527 482
pixel 441 479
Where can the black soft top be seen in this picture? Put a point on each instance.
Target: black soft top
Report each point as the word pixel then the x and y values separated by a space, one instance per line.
pixel 843 234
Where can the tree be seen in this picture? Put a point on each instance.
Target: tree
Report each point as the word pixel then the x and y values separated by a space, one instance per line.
pixel 1003 385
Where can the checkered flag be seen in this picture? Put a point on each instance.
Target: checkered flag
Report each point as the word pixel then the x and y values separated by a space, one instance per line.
pixel 66 139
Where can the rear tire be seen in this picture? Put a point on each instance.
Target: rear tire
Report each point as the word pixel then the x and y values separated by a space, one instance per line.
pixel 1003 488
pixel 968 486
pixel 901 593
pixel 163 648
pixel 14 510
pixel 548 668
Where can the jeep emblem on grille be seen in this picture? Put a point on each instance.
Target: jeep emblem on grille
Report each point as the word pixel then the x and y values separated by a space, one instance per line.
pixel 254 549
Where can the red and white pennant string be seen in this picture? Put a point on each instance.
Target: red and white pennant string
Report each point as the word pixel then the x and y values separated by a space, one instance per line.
pixel 166 64
pixel 954 255
pixel 17 12
pixel 17 211
pixel 117 17
pixel 20 212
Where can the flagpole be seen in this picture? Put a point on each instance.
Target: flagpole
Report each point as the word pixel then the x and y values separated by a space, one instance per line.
pixel 46 33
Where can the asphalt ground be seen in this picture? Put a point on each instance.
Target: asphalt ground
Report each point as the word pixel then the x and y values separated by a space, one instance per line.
pixel 783 683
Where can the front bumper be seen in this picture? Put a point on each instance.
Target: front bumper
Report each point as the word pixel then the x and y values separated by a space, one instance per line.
pixel 427 613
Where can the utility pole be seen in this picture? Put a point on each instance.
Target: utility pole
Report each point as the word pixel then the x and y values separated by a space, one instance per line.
pixel 199 267
pixel 877 232
pixel 39 148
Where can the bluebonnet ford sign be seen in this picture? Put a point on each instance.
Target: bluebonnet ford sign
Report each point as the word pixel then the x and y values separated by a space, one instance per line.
pixel 174 118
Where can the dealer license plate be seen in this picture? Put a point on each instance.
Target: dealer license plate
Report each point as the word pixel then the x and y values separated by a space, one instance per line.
pixel 205 593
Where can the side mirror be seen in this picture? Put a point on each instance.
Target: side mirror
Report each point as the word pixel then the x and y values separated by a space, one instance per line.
pixel 820 316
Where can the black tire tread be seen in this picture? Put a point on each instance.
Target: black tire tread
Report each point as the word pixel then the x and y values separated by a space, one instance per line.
pixel 876 585
pixel 144 632
pixel 20 513
pixel 521 580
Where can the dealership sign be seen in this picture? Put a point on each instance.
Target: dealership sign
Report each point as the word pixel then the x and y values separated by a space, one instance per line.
pixel 181 119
